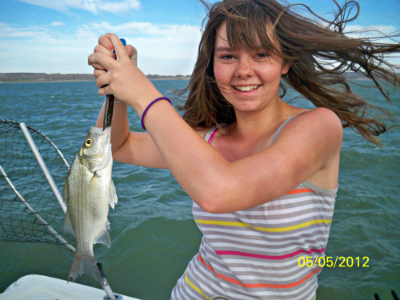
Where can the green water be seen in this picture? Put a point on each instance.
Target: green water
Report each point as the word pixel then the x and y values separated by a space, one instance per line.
pixel 152 231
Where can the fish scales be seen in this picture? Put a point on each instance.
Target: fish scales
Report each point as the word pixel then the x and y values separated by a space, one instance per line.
pixel 88 192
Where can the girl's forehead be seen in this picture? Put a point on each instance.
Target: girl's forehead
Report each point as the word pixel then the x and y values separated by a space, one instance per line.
pixel 222 36
pixel 253 40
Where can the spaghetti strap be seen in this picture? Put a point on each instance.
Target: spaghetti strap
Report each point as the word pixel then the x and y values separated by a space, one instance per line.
pixel 211 133
pixel 284 124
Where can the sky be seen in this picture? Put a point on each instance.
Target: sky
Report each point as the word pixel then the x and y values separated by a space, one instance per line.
pixel 57 36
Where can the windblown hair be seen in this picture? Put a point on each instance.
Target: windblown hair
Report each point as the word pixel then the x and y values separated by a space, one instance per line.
pixel 318 50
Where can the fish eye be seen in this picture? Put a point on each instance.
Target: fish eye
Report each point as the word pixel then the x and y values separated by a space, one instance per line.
pixel 88 142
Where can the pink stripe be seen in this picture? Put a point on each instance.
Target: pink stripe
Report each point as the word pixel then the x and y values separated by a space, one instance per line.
pixel 212 135
pixel 268 256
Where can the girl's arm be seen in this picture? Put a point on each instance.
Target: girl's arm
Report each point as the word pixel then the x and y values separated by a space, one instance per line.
pixel 136 148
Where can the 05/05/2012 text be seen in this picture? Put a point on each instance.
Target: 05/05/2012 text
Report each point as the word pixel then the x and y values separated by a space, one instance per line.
pixel 331 262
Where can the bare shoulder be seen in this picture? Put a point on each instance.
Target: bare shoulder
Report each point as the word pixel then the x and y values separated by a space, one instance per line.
pixel 310 144
pixel 324 121
pixel 317 132
pixel 326 115
pixel 317 123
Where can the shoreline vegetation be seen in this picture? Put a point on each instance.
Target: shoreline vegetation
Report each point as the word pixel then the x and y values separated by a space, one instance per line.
pixel 57 77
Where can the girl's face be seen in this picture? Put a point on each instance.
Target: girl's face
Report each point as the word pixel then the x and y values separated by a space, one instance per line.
pixel 249 80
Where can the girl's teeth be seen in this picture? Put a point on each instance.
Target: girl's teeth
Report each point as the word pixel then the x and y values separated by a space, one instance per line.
pixel 246 88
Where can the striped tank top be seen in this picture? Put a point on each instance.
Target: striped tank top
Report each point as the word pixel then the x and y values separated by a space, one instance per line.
pixel 260 253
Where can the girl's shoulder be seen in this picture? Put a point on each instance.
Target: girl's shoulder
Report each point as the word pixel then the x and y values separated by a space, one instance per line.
pixel 318 123
pixel 322 115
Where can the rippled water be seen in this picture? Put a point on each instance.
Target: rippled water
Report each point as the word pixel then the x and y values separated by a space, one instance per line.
pixel 153 233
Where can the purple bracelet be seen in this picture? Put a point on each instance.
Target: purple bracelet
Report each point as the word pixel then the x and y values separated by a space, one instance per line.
pixel 148 106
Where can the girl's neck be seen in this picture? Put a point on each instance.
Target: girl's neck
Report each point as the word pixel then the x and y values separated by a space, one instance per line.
pixel 254 125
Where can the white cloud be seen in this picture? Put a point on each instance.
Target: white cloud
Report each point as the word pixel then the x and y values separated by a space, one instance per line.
pixel 119 7
pixel 57 24
pixel 7 31
pixel 93 6
pixel 162 49
pixel 377 32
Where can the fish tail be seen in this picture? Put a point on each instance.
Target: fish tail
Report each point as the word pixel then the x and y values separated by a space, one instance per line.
pixel 84 264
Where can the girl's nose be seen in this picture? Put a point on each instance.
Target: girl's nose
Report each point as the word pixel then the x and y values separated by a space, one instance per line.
pixel 244 68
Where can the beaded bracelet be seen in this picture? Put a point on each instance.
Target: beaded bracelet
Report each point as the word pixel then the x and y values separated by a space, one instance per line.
pixel 148 106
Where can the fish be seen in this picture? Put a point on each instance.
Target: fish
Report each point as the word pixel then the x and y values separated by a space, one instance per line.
pixel 88 192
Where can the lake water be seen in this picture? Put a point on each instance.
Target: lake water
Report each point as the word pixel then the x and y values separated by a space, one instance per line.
pixel 153 232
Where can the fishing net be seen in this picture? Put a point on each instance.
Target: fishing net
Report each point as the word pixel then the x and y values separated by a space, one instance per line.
pixel 22 175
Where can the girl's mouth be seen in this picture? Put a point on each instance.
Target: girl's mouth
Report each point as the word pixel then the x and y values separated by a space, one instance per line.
pixel 247 88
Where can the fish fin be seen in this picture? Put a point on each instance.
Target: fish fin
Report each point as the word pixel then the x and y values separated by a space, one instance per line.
pixel 67 228
pixel 113 199
pixel 65 192
pixel 104 236
pixel 84 264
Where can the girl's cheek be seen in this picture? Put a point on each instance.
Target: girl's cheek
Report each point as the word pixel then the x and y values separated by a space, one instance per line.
pixel 220 74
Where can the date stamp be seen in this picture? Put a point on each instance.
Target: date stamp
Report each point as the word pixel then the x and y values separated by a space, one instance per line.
pixel 332 262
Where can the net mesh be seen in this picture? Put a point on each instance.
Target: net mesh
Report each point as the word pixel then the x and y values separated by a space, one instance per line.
pixel 17 222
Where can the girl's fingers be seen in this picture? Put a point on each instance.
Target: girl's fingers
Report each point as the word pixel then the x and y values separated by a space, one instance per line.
pixel 132 53
pixel 103 80
pixel 98 66
pixel 97 72
pixel 106 43
pixel 102 49
pixel 118 46
pixel 100 59
pixel 104 89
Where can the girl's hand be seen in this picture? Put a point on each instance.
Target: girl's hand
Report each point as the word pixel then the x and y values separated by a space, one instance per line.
pixel 121 77
pixel 105 46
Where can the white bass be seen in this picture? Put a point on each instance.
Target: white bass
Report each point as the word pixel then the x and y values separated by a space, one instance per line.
pixel 88 191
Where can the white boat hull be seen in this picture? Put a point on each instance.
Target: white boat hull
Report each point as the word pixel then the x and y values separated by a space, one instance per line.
pixel 38 287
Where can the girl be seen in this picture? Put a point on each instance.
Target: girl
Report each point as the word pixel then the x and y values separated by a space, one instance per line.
pixel 263 174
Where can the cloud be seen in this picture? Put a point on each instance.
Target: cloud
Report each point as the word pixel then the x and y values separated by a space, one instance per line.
pixel 57 24
pixel 93 6
pixel 372 32
pixel 162 49
pixel 119 7
pixel 7 31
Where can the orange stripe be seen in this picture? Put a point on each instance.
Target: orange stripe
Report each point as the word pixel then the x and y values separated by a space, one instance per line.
pixel 258 285
pixel 208 266
pixel 299 191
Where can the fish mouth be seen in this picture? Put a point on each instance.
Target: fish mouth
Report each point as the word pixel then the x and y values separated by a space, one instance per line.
pixel 100 131
pixel 102 135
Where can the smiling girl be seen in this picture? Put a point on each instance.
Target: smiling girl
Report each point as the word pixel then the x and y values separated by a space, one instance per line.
pixel 262 174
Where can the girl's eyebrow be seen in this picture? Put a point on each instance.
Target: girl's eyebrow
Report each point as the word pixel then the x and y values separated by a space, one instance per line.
pixel 225 48
pixel 222 48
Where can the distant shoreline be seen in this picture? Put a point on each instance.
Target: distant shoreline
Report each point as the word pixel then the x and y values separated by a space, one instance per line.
pixel 57 77
pixel 44 77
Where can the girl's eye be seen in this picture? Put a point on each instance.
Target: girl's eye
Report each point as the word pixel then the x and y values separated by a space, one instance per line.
pixel 262 55
pixel 227 57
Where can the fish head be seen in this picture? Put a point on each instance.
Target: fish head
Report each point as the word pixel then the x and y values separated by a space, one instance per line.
pixel 95 152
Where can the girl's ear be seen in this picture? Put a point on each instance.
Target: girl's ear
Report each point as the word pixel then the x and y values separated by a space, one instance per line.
pixel 285 67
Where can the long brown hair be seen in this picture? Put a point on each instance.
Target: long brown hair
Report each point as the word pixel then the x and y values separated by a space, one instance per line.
pixel 319 53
